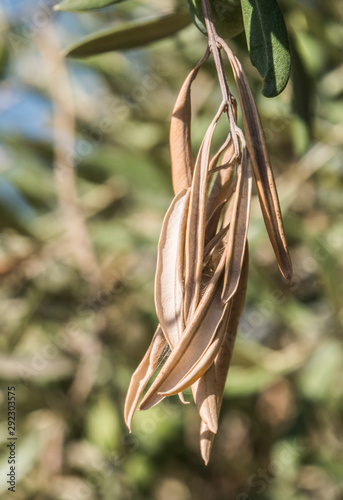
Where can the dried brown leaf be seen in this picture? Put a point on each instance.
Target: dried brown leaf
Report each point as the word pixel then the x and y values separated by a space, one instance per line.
pixel 180 134
pixel 196 223
pixel 222 188
pixel 206 441
pixel 169 272
pixel 191 346
pixel 224 179
pixel 141 376
pixel 238 231
pixel 224 356
pixel 204 393
pixel 261 166
pixel 209 353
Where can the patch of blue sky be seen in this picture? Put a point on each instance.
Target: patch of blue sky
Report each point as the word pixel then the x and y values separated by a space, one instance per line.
pixel 25 113
pixel 16 10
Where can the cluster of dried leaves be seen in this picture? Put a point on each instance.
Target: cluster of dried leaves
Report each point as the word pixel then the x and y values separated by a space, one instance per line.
pixel 202 267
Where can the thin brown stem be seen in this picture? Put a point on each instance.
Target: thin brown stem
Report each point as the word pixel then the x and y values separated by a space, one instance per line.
pixel 214 44
pixel 64 157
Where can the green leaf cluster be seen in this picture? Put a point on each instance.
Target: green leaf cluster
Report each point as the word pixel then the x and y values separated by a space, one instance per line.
pixel 262 21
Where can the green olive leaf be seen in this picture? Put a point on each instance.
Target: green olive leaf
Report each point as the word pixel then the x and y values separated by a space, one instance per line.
pixel 81 5
pixel 268 44
pixel 130 35
pixel 227 16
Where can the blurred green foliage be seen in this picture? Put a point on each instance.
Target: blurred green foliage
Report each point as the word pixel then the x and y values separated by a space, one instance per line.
pixel 70 349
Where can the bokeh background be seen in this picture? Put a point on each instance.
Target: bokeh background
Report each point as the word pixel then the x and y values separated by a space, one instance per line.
pixel 85 181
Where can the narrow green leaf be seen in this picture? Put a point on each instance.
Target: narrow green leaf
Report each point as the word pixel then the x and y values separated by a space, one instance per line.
pixel 131 35
pixel 81 5
pixel 268 45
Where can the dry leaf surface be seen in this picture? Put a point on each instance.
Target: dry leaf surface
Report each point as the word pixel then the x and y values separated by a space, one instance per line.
pixel 202 265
